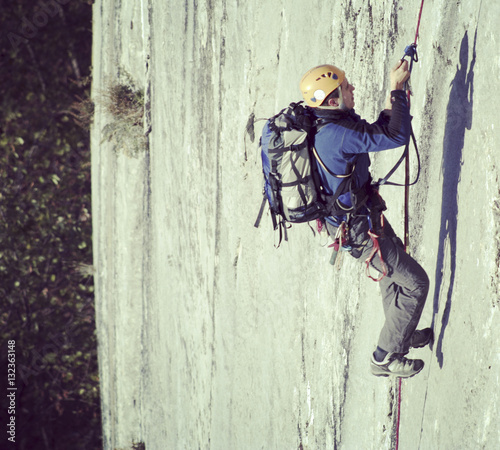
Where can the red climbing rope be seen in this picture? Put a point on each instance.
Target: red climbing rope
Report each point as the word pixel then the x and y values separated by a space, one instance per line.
pixel 398 418
pixel 406 225
pixel 418 24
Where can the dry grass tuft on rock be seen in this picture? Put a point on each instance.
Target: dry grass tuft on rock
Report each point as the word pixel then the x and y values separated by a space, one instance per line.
pixel 125 105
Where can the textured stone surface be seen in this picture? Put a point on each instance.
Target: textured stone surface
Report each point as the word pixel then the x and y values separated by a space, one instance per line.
pixel 209 337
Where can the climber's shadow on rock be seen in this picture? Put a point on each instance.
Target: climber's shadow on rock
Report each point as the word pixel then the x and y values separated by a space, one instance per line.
pixel 458 120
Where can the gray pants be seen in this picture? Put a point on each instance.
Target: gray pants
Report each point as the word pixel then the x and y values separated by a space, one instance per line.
pixel 404 289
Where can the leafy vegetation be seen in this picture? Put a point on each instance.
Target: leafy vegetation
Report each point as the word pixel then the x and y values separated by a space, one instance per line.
pixel 46 285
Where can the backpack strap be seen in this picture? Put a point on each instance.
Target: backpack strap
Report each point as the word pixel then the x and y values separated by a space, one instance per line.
pixel 281 224
pixel 333 206
pixel 316 155
pixel 283 233
pixel 261 212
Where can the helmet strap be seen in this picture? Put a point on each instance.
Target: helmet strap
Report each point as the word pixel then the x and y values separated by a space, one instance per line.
pixel 341 105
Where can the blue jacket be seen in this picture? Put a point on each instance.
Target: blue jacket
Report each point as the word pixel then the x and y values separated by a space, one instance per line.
pixel 344 141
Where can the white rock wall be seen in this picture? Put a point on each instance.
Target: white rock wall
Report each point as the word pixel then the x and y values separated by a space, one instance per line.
pixel 209 336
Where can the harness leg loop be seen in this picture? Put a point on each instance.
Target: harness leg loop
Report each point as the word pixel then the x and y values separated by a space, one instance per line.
pixel 375 251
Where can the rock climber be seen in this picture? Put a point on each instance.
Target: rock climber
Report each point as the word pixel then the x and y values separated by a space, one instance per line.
pixel 343 143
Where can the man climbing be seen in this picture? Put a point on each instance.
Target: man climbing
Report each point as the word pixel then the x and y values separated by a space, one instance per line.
pixel 342 144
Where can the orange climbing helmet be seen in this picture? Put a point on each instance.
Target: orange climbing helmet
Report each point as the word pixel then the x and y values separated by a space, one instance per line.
pixel 319 82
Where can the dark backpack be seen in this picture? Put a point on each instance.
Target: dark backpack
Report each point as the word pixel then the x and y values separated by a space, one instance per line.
pixel 291 181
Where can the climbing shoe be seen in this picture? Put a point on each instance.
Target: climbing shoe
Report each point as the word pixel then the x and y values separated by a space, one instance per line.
pixel 396 365
pixel 421 338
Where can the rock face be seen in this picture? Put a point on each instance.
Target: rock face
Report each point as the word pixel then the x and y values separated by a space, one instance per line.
pixel 209 337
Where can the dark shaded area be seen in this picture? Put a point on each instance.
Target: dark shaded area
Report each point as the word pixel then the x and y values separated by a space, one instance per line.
pixel 46 289
pixel 458 120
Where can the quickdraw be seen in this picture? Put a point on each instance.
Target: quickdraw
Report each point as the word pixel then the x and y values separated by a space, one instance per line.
pixel 339 242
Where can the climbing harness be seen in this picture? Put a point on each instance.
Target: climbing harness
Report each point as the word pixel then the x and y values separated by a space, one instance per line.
pixel 376 250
